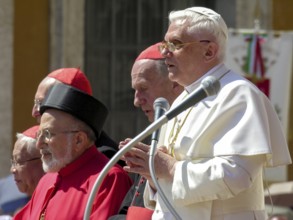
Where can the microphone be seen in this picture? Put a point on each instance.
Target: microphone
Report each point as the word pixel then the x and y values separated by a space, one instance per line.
pixel 161 105
pixel 209 86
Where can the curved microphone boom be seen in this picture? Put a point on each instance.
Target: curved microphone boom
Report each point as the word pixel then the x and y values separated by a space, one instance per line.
pixel 209 86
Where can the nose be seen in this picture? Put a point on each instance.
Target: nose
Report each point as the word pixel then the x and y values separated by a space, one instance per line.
pixel 166 52
pixel 40 142
pixel 138 99
pixel 36 111
pixel 12 169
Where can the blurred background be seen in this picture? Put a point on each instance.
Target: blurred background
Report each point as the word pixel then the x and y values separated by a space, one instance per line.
pixel 104 37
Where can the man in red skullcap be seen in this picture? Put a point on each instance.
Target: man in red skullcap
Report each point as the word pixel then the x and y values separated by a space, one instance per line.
pixel 76 78
pixel 70 123
pixel 69 76
pixel 150 80
pixel 26 167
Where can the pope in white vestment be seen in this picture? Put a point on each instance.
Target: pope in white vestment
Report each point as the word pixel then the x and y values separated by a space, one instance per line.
pixel 223 145
pixel 215 151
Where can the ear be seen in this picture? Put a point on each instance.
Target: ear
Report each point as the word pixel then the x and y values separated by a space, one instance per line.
pixel 211 51
pixel 80 140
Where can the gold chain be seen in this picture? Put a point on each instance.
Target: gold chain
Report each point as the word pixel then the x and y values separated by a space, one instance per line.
pixel 178 129
pixel 174 137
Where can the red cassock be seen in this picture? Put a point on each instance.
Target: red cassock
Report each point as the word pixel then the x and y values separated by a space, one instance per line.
pixel 64 195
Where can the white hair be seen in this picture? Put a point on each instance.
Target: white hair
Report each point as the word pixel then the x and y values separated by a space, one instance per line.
pixel 30 142
pixel 55 164
pixel 203 20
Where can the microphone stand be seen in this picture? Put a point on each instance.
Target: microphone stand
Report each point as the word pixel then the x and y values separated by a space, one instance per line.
pixel 148 131
pixel 209 86
pixel 153 175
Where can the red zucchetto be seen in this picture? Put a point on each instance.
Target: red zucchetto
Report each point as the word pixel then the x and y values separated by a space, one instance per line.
pixel 150 53
pixel 73 77
pixel 31 132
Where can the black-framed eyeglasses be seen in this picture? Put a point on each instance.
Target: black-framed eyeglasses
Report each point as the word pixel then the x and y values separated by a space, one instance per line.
pixel 172 46
pixel 16 164
pixel 47 134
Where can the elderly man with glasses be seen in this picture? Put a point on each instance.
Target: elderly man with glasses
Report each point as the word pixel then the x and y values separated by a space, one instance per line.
pixel 76 78
pixel 71 122
pixel 216 150
pixel 26 169
pixel 26 164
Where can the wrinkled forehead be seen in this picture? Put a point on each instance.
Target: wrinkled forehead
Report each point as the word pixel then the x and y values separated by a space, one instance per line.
pixel 144 64
pixel 54 118
pixel 179 32
pixel 145 70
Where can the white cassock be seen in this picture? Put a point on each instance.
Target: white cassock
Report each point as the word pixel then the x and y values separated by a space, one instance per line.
pixel 222 146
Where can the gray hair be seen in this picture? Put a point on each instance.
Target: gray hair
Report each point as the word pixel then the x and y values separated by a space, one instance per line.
pixel 203 20
pixel 82 126
pixel 31 142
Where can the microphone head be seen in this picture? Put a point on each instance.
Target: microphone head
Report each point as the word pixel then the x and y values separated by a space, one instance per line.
pixel 211 85
pixel 161 103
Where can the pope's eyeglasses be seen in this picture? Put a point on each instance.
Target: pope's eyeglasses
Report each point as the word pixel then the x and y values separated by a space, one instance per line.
pixel 171 46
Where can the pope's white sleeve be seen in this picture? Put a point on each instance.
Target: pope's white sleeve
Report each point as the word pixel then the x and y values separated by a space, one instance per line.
pixel 216 178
